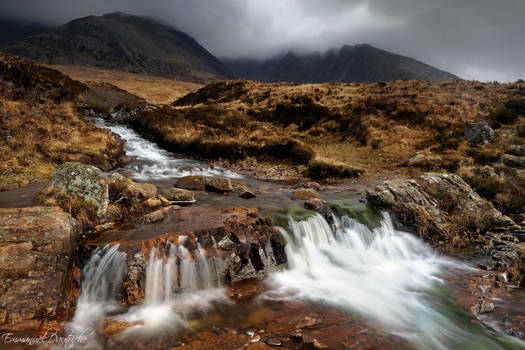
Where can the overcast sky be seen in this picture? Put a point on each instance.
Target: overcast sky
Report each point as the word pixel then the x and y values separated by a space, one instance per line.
pixel 475 39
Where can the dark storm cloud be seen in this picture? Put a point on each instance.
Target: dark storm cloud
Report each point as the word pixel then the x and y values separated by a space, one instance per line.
pixel 476 39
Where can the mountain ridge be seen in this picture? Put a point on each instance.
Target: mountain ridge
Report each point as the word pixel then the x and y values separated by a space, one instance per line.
pixel 347 64
pixel 122 42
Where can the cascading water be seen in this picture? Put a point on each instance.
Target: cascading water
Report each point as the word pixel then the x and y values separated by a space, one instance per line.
pixel 383 274
pixel 153 163
pixel 102 278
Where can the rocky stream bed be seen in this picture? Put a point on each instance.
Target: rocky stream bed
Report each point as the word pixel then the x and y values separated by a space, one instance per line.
pixel 170 253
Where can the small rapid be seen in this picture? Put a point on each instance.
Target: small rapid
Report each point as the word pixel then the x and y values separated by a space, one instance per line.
pixel 385 275
pixel 150 162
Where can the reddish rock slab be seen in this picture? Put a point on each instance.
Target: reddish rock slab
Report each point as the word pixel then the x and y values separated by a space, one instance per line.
pixel 36 248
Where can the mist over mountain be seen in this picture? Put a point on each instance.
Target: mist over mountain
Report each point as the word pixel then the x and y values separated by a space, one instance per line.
pixel 122 42
pixel 15 29
pixel 349 64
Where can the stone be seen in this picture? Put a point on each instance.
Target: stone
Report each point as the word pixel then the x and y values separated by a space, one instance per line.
pixel 513 161
pixel 479 133
pixel 226 244
pixel 246 193
pixel 192 182
pixel 305 194
pixel 485 172
pixel 141 190
pixel 158 215
pixel 36 258
pixel 321 207
pixel 178 195
pixel 84 181
pixel 517 150
pixel 307 184
pixel 154 203
pixel 219 184
pixel 421 160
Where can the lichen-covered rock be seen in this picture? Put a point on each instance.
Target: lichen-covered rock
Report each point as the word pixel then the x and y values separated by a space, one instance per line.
pixel 36 255
pixel 479 133
pixel 192 182
pixel 178 195
pixel 219 184
pixel 84 181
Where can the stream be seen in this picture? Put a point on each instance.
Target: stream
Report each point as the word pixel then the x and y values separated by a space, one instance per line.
pixel 379 285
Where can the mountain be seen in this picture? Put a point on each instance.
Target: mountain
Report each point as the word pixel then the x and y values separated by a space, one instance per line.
pixel 349 64
pixel 122 42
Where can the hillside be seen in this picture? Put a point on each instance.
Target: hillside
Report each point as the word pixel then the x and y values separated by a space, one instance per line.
pixel 122 42
pixel 349 64
pixel 40 126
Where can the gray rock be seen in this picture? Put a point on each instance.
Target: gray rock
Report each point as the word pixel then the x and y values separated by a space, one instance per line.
pixel 84 181
pixel 321 207
pixel 479 133
pixel 517 150
pixel 421 160
pixel 513 161
pixel 178 195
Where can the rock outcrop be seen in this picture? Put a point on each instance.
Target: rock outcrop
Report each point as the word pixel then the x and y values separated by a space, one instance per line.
pixel 36 254
pixel 238 243
pixel 84 181
pixel 445 211
pixel 479 133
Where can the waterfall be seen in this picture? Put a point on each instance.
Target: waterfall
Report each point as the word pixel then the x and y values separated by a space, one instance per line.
pixel 102 278
pixel 383 274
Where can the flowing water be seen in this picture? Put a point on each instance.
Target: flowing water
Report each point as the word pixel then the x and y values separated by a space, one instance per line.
pixel 385 275
pixel 149 162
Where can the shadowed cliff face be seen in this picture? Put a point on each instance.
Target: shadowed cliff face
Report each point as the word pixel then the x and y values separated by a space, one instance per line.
pixel 123 42
pixel 349 64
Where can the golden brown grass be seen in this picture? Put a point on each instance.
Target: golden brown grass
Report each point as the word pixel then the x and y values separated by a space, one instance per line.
pixel 375 126
pixel 38 137
pixel 153 89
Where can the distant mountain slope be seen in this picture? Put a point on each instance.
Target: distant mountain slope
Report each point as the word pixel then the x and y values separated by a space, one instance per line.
pixel 349 64
pixel 122 42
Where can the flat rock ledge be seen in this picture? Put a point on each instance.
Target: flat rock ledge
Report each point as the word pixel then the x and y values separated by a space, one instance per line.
pixel 36 258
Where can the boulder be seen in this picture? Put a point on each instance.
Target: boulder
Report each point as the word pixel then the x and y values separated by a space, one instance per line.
pixel 141 190
pixel 305 194
pixel 321 207
pixel 517 150
pixel 479 133
pixel 513 161
pixel 219 184
pixel 246 193
pixel 193 182
pixel 123 186
pixel 307 184
pixel 84 181
pixel 37 245
pixel 178 195
pixel 435 206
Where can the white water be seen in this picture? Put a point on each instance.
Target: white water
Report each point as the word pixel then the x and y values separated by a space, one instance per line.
pixel 102 278
pixel 178 285
pixel 153 163
pixel 385 275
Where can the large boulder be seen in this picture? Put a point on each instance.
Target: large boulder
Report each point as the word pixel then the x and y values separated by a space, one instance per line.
pixel 479 133
pixel 36 254
pixel 84 181
pixel 192 182
pixel 178 195
pixel 438 207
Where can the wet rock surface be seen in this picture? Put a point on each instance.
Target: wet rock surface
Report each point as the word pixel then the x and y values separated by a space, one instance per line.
pixel 37 247
pixel 219 184
pixel 193 182
pixel 178 195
